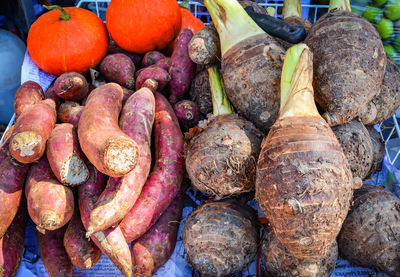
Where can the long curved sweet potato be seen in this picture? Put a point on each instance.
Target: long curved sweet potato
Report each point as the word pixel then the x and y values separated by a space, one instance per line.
pixel 164 182
pixel 70 112
pixel 105 145
pixel 28 94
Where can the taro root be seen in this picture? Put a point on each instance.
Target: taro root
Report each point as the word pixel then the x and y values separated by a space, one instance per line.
pixel 379 150
pixel 200 92
pixel 280 263
pixel 370 235
pixel 221 159
pixel 221 238
pixel 304 182
pixel 349 62
pixel 251 63
pixel 257 8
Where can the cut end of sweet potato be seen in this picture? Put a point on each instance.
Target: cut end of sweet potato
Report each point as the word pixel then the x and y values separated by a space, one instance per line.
pixel 121 157
pixel 25 142
pixel 74 171
pixel 49 220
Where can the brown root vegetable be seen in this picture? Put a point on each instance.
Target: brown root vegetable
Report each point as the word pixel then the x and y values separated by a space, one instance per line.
pixel 119 68
pixel 28 94
pixel 221 238
pixel 105 145
pixel 257 8
pixel 188 114
pixel 70 112
pixel 155 247
pixel 119 196
pixel 82 252
pixel 379 150
pixel 349 63
pixel 370 236
pixel 387 102
pixel 65 155
pixel 32 130
pixel 71 86
pixel 200 92
pixel 280 263
pixel 357 146
pixel 152 57
pixel 164 64
pixel 155 73
pixel 204 47
pixel 55 258
pixel 50 204
pixel 304 182
pixel 51 94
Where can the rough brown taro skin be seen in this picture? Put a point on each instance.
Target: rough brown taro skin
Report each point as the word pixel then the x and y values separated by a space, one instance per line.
pixel 379 150
pixel 303 185
pixel 257 8
pixel 280 263
pixel 251 71
pixel 349 64
pixel 387 102
pixel 294 21
pixel 222 159
pixel 370 236
pixel 357 146
pixel 200 92
pixel 221 238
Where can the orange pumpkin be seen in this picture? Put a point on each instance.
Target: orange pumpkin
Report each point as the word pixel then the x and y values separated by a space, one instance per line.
pixel 65 40
pixel 140 26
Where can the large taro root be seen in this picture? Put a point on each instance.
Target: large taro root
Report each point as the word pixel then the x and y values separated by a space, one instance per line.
pixel 370 236
pixel 379 150
pixel 221 238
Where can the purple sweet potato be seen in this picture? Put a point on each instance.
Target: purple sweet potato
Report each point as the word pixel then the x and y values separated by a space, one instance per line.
pixel 70 112
pixel 71 86
pixel 65 155
pixel 155 247
pixel 113 48
pixel 82 252
pixel 53 254
pixel 28 94
pixel 152 57
pixel 155 73
pixel 120 69
pixel 32 129
pixel 111 241
pixel 188 114
pixel 164 182
pixel 139 71
pixel 164 64
pixel 182 68
pixel 12 243
pixel 50 204
pixel 51 94
pixel 127 94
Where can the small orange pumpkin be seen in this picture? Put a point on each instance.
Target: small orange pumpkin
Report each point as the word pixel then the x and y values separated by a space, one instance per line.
pixel 65 40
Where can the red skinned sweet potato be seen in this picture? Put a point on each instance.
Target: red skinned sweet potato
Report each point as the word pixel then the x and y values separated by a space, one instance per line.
pixel 155 247
pixel 71 86
pixel 50 204
pixel 32 129
pixel 12 243
pixel 155 73
pixel 182 68
pixel 119 68
pixel 164 182
pixel 110 150
pixel 65 156
pixel 164 64
pixel 188 114
pixel 111 241
pixel 82 252
pixel 28 94
pixel 70 112
pixel 51 94
pixel 53 254
pixel 152 57
pixel 113 48
pixel 114 203
pixel 127 94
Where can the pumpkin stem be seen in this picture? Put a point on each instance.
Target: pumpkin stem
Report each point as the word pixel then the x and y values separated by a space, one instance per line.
pixel 185 4
pixel 64 15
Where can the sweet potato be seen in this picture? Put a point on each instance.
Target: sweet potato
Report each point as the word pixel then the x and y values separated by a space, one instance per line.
pixel 71 86
pixel 188 114
pixel 51 94
pixel 280 263
pixel 12 178
pixel 165 180
pixel 155 247
pixel 152 57
pixel 204 47
pixel 50 204
pixel 28 94
pixel 221 238
pixel 127 94
pixel 357 145
pixel 121 193
pixel 182 68
pixel 65 156
pixel 55 258
pixel 164 64
pixel 155 73
pixel 120 69
pixel 82 252
pixel 111 241
pixel 379 150
pixel 110 150
pixel 370 236
pixel 113 48
pixel 32 130
pixel 200 92
pixel 70 112
pixel 12 243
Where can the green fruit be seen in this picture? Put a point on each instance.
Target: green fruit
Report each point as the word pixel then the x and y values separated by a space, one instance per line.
pixel 371 13
pixel 378 3
pixel 396 43
pixel 390 51
pixel 392 9
pixel 385 28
